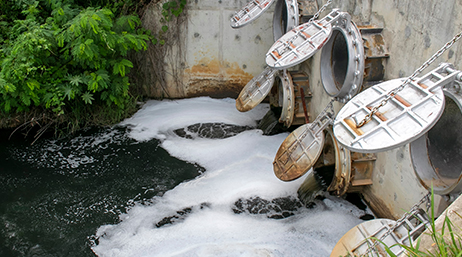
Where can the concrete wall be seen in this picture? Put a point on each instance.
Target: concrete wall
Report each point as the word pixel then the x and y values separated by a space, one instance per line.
pixel 413 31
pixel 208 57
pixel 218 61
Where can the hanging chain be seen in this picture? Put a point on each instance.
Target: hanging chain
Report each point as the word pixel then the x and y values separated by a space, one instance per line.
pixel 398 223
pixel 393 92
pixel 328 113
pixel 316 15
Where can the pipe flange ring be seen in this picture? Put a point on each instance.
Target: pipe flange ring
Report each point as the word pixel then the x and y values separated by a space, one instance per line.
pixel 342 62
pixel 285 17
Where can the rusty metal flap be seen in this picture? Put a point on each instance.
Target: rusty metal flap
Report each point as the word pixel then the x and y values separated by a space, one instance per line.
pixel 256 90
pixel 302 42
pixel 298 153
pixel 406 116
pixel 288 99
pixel 250 12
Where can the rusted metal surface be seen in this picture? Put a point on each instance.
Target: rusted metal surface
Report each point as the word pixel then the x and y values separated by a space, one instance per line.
pixel 297 153
pixel 352 170
pixel 376 52
pixel 288 98
pixel 302 102
pixel 305 112
pixel 362 165
pixel 307 8
pixel 256 90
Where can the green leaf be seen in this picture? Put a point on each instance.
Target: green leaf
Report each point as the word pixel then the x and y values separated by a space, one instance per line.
pixel 69 93
pixel 164 28
pixel 7 106
pixel 32 84
pixel 75 80
pixel 87 98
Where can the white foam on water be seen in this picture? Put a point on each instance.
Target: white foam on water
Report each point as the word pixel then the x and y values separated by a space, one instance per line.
pixel 238 167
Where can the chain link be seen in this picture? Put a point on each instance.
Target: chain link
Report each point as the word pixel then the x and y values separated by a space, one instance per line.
pixel 398 223
pixel 393 92
pixel 316 15
pixel 328 113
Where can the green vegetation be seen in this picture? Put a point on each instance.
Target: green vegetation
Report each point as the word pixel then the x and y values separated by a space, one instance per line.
pixel 66 61
pixel 446 242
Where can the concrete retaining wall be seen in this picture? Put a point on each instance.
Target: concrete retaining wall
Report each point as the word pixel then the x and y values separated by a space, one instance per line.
pixel 413 32
pixel 218 61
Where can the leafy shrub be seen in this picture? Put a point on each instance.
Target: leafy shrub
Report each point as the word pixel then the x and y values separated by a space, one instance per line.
pixel 65 55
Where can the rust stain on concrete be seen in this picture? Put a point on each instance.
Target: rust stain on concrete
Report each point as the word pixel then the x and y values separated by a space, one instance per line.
pixel 380 208
pixel 211 77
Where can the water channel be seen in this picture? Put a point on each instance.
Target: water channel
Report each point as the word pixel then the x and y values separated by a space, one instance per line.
pixel 180 178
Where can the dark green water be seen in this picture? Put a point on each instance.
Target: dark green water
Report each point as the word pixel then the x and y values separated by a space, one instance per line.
pixel 56 193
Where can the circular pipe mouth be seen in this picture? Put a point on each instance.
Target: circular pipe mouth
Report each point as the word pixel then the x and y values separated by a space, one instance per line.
pixel 334 165
pixel 285 17
pixel 437 156
pixel 342 62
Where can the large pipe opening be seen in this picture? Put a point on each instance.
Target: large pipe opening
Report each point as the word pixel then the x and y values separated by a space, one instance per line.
pixel 279 20
pixel 339 60
pixel 437 156
pixel 342 62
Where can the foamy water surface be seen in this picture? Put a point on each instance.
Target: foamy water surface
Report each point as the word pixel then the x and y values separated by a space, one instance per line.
pixel 212 214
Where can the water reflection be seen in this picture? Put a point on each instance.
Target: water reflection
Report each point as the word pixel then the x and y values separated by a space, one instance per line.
pixel 58 192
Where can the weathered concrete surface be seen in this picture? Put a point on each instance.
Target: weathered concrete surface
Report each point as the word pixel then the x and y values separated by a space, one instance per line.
pixel 413 31
pixel 210 58
pixel 218 61
pixel 454 214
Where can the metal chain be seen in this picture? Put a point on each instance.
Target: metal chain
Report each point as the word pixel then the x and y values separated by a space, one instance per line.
pixel 398 223
pixel 328 112
pixel 316 15
pixel 393 92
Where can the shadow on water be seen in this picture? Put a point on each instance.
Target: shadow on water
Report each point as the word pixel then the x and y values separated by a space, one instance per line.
pixel 58 192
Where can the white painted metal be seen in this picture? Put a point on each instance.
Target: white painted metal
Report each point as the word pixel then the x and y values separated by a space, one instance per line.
pixel 288 99
pixel 358 240
pixel 256 90
pixel 444 178
pixel 407 116
pixel 285 17
pixel 302 42
pixel 251 11
pixel 342 62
